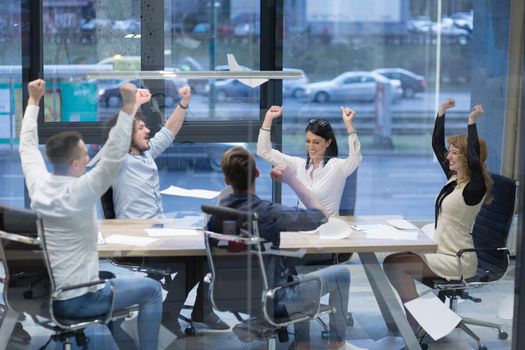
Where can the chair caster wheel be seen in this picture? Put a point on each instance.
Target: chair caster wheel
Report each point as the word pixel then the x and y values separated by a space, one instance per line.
pixel 189 331
pixel 482 347
pixel 325 335
pixel 503 335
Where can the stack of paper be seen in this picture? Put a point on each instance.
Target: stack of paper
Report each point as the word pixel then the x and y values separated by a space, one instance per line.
pixel 130 240
pixel 334 228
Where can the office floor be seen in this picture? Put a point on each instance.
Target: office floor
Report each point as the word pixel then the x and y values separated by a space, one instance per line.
pixel 368 330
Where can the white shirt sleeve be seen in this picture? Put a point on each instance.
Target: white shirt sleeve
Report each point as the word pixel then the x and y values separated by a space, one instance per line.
pixel 272 156
pixel 33 165
pixel 162 140
pixel 348 165
pixel 94 183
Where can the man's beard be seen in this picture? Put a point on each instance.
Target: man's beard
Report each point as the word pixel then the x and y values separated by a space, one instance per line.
pixel 140 148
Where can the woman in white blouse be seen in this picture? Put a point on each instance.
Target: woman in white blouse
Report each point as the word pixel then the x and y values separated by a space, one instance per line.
pixel 322 172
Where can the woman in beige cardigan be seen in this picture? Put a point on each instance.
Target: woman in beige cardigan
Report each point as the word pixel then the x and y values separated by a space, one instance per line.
pixel 457 205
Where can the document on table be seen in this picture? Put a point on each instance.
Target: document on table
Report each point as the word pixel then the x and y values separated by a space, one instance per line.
pixel 433 315
pixel 100 238
pixel 196 193
pixel 402 224
pixel 389 232
pixel 334 228
pixel 130 240
pixel 173 232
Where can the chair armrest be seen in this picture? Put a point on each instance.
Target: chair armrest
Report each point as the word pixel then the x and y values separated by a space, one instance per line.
pixel 270 295
pixel 469 250
pixel 231 238
pixel 19 238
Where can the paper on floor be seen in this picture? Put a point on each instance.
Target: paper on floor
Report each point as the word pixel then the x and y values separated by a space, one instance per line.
pixel 183 192
pixel 433 315
pixel 130 240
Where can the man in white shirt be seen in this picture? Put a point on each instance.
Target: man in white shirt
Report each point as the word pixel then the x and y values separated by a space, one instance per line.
pixel 136 195
pixel 66 200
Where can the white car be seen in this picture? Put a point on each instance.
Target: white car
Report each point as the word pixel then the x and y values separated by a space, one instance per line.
pixel 351 86
pixel 294 87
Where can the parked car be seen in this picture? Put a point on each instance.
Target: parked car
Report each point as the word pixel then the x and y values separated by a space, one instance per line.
pixel 233 89
pixel 355 86
pixel 411 83
pixel 109 95
pixel 419 24
pixel 294 87
pixel 448 28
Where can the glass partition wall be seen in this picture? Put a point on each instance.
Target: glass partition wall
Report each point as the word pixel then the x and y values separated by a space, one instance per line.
pixel 391 61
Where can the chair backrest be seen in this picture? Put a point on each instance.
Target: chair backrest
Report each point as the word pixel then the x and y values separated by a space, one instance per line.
pixel 349 195
pixel 491 229
pixel 237 269
pixel 27 283
pixel 108 207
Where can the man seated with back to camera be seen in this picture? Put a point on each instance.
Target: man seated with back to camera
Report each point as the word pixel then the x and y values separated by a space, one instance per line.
pixel 136 195
pixel 240 172
pixel 66 200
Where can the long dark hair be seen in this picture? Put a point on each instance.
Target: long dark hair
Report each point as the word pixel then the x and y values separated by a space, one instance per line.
pixel 322 128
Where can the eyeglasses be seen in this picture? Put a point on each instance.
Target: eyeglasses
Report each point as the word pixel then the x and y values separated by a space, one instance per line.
pixel 320 122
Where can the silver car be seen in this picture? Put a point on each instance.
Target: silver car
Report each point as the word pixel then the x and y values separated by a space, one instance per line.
pixel 352 86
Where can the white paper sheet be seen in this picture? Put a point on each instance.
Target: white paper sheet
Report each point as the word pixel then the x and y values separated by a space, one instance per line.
pixel 402 224
pixel 433 315
pixel 389 232
pixel 130 240
pixel 172 232
pixel 183 192
pixel 364 227
pixel 312 232
pixel 334 228
pixel 100 238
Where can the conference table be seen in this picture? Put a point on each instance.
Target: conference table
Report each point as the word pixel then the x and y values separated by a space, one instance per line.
pixel 191 247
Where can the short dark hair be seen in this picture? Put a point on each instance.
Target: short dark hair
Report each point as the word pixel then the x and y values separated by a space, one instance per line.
pixel 113 121
pixel 238 166
pixel 322 128
pixel 63 148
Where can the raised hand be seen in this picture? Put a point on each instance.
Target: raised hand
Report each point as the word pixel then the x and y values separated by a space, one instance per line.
pixel 449 103
pixel 185 92
pixel 477 112
pixel 274 112
pixel 36 88
pixel 348 118
pixel 142 96
pixel 282 174
pixel 128 91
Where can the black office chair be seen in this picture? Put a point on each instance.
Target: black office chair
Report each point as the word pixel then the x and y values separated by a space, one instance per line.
pixel 239 282
pixel 490 232
pixel 160 271
pixel 29 285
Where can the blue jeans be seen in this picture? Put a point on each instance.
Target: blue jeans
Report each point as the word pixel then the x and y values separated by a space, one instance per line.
pixel 128 291
pixel 336 281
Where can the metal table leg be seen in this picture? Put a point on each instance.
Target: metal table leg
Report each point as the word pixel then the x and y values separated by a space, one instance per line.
pixel 390 308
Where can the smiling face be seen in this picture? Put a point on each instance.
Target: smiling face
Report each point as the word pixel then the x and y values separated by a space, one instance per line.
pixel 316 146
pixel 140 139
pixel 455 159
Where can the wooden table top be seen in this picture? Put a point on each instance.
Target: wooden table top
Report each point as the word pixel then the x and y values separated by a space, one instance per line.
pixel 194 245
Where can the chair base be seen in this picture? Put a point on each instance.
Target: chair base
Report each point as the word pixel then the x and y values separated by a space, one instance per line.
pixel 80 339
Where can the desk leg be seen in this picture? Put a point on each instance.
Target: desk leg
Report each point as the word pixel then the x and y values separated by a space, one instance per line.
pixel 9 319
pixel 390 308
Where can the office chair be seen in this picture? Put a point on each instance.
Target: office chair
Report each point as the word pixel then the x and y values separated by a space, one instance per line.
pixel 239 282
pixel 490 232
pixel 157 270
pixel 29 285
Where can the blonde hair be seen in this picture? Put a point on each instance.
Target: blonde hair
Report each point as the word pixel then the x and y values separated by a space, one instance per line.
pixel 460 142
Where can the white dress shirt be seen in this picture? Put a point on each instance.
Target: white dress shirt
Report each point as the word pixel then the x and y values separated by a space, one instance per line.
pixel 327 182
pixel 67 204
